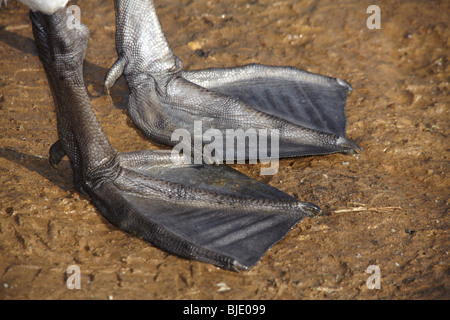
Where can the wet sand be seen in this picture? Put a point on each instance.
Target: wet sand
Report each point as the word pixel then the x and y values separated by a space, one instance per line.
pixel 386 207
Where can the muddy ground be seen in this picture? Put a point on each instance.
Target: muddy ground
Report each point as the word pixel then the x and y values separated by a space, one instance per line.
pixel 386 207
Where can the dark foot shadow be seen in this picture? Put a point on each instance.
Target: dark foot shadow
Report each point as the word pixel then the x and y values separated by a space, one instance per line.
pixel 42 166
pixel 94 76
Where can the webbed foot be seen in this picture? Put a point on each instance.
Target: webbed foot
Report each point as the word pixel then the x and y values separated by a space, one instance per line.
pixel 308 110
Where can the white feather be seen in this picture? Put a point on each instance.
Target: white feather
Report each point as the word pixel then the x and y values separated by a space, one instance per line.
pixel 45 6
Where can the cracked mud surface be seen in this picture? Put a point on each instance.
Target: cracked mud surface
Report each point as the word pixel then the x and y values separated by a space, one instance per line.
pixel 386 207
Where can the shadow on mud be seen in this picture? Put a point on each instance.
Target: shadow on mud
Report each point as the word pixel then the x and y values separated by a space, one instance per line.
pixel 93 74
pixel 60 177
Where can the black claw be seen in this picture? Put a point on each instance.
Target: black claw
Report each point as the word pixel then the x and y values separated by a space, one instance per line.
pixel 56 154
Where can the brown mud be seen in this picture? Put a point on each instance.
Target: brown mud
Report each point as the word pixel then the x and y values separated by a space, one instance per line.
pixel 386 207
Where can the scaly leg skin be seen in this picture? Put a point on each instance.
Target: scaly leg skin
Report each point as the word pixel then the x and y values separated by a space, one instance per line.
pixel 307 109
pixel 208 213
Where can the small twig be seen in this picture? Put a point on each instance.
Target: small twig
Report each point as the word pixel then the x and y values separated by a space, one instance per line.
pixel 366 209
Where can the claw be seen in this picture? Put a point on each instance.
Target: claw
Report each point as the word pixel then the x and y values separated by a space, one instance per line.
pixel 114 73
pixel 56 154
pixel 311 208
pixel 350 146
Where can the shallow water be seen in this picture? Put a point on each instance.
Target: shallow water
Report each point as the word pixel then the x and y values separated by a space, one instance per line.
pixel 386 207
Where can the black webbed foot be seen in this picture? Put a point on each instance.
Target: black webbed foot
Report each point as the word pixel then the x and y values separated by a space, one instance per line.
pixel 307 109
